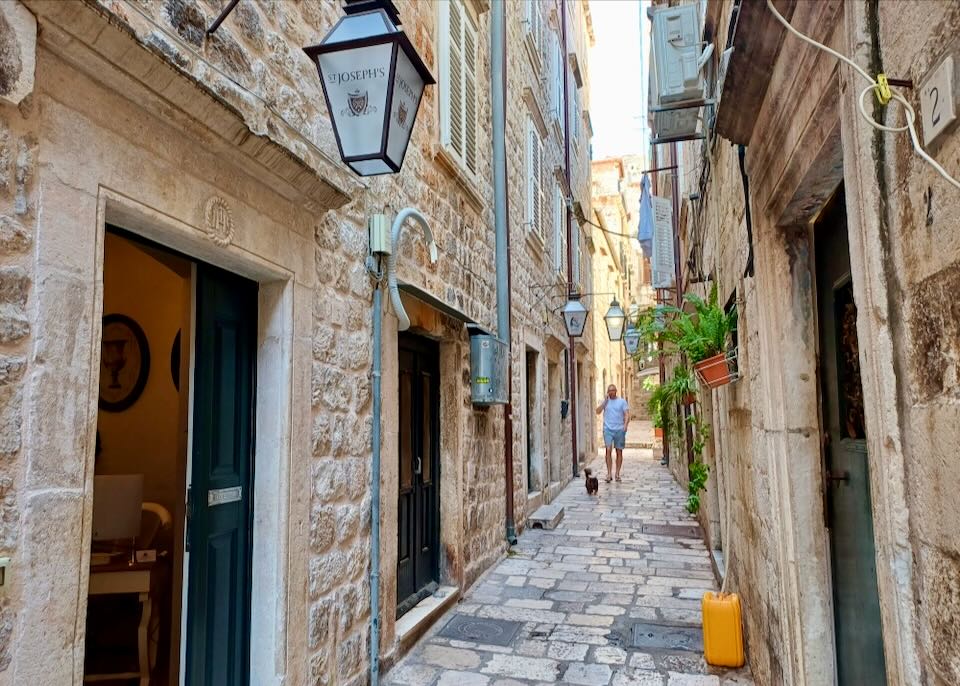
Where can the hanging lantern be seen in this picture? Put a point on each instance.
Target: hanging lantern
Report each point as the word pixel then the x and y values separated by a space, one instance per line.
pixel 575 317
pixel 631 340
pixel 615 319
pixel 373 81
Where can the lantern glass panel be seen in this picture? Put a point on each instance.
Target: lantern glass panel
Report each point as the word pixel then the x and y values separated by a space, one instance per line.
pixel 615 319
pixel 407 88
pixel 357 82
pixel 371 167
pixel 575 318
pixel 360 26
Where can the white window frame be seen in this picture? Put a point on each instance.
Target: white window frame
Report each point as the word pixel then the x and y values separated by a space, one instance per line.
pixel 534 175
pixel 556 79
pixel 534 23
pixel 459 92
pixel 577 256
pixel 559 233
pixel 575 116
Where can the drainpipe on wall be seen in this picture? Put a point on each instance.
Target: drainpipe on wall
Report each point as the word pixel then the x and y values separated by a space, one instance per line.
pixel 403 323
pixel 375 492
pixel 571 341
pixel 498 87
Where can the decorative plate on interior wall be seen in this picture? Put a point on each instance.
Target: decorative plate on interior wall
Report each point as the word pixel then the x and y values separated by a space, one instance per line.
pixel 124 363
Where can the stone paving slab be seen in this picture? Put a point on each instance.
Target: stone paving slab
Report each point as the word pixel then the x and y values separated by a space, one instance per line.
pixel 578 590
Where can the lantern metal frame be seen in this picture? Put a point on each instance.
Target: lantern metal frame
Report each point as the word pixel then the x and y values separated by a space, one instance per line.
pixel 566 324
pixel 611 314
pixel 631 340
pixel 394 35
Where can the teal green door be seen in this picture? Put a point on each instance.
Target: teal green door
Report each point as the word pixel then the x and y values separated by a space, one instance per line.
pixel 856 605
pixel 220 497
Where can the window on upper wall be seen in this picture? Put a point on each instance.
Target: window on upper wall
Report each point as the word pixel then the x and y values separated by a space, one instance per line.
pixel 533 21
pixel 534 176
pixel 559 231
pixel 556 79
pixel 458 82
pixel 577 255
pixel 575 115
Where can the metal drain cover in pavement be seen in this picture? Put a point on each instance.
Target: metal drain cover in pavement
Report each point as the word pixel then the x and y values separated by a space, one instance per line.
pixel 679 530
pixel 662 637
pixel 498 632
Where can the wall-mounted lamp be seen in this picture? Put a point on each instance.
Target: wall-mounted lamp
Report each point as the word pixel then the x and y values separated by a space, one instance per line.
pixel 373 80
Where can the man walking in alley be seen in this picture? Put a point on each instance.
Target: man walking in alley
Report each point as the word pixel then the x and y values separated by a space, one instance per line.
pixel 616 419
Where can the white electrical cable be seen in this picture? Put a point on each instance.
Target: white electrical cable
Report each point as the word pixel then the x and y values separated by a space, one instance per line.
pixel 909 113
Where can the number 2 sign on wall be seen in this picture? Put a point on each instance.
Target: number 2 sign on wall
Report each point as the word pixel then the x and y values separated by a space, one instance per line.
pixel 937 106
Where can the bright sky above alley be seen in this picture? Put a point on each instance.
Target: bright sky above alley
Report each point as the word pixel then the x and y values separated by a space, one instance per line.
pixel 616 83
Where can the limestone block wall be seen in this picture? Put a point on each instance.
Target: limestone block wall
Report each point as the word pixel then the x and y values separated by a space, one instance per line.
pixel 254 67
pixel 904 256
pixel 906 250
pixel 19 148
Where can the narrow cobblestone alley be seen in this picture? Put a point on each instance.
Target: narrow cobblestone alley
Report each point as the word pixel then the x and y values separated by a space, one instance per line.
pixel 567 603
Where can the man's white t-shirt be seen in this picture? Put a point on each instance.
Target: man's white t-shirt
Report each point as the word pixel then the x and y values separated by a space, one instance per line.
pixel 614 413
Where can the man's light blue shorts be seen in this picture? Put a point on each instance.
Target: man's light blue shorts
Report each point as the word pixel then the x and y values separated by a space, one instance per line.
pixel 615 439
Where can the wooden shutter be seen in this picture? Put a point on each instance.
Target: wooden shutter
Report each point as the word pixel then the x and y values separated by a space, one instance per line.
pixel 541 195
pixel 556 91
pixel 534 18
pixel 535 200
pixel 458 82
pixel 455 85
pixel 531 175
pixel 470 92
pixel 558 230
pixel 577 256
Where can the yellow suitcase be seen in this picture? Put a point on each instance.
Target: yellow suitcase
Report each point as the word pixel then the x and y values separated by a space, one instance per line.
pixel 722 630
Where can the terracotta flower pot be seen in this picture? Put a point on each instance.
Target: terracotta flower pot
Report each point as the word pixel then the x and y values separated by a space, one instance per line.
pixel 689 398
pixel 714 371
pixel 658 432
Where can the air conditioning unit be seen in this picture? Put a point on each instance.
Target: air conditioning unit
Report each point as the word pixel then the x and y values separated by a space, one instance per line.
pixel 675 76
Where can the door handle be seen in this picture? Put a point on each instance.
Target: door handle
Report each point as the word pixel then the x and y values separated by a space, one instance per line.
pixel 842 475
pixel 419 467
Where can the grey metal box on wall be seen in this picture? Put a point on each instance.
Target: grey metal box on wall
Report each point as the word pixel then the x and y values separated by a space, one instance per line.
pixel 488 369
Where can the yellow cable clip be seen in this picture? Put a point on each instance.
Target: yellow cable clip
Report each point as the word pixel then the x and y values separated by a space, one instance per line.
pixel 882 89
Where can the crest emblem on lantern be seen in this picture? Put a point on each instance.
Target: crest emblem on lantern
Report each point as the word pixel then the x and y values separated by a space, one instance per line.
pixel 357 101
pixel 402 115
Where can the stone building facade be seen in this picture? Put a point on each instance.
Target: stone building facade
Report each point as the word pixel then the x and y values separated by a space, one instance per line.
pixel 838 245
pixel 619 270
pixel 123 121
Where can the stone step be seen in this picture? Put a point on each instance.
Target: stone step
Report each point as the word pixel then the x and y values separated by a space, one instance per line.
pixel 546 517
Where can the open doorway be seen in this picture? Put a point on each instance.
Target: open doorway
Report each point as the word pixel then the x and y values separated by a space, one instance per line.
pixel 856 605
pixel 533 422
pixel 169 591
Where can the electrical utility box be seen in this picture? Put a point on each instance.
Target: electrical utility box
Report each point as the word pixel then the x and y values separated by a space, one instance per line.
pixel 676 76
pixel 488 368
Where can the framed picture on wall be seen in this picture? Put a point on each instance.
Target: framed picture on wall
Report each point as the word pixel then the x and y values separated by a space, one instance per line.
pixel 124 363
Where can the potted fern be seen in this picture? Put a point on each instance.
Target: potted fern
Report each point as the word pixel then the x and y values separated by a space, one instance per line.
pixel 702 337
pixel 683 385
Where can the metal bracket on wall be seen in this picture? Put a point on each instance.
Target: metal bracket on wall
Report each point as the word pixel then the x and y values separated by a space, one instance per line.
pixel 223 15
pixel 686 105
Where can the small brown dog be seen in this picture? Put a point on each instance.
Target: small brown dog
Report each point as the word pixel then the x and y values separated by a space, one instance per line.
pixel 593 483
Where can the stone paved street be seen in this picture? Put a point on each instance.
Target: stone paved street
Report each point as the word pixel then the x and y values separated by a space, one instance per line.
pixel 574 594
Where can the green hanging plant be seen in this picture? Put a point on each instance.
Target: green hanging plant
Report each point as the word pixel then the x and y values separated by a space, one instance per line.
pixel 698 471
pixel 683 385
